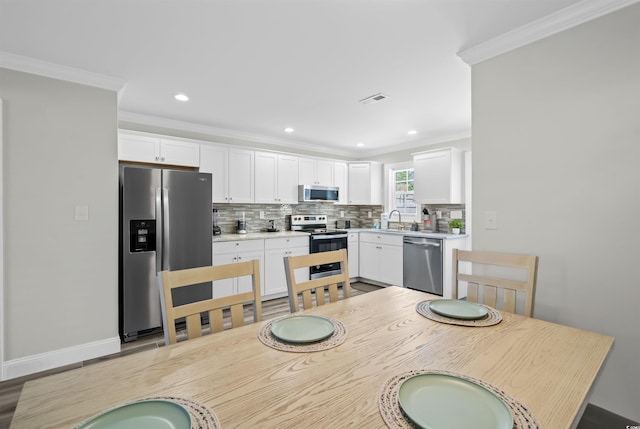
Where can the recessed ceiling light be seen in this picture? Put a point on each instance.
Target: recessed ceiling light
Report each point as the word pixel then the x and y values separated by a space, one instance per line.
pixel 181 97
pixel 288 130
pixel 412 132
pixel 360 144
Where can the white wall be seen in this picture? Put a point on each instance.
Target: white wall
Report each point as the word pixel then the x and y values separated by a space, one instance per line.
pixel 61 275
pixel 556 153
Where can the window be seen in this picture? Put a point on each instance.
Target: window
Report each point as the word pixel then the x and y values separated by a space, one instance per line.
pixel 403 191
pixel 400 191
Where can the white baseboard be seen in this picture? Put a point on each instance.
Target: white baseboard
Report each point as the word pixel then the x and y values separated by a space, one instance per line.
pixel 57 358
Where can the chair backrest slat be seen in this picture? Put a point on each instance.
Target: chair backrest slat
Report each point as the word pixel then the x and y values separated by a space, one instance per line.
pixel 305 287
pixel 486 287
pixel 170 280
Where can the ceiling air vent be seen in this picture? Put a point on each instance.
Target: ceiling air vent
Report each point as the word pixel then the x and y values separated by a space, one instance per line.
pixel 374 98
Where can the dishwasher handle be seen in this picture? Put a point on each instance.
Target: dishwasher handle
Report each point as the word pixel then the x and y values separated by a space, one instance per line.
pixel 422 242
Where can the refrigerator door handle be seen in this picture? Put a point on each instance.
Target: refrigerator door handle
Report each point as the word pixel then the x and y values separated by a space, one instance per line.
pixel 165 229
pixel 159 219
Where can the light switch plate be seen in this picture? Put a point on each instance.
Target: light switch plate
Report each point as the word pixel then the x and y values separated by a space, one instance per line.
pixel 261 214
pixel 82 213
pixel 490 220
pixel 456 214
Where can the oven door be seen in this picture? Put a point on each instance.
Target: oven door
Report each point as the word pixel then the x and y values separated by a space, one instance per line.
pixel 326 243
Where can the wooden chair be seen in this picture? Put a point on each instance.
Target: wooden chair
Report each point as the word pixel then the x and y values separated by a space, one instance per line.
pixel 291 263
pixel 191 312
pixel 487 286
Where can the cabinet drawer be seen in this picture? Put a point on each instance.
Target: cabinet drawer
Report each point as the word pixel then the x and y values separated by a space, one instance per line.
pixel 286 242
pixel 381 238
pixel 238 246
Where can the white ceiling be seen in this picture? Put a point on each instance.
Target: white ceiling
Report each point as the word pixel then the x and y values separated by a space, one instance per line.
pixel 254 67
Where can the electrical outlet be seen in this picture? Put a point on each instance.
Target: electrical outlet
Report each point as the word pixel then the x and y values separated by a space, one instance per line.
pixel 456 214
pixel 490 220
pixel 341 213
pixel 369 214
pixel 261 214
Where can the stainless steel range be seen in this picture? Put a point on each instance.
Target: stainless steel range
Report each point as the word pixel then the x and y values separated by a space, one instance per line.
pixel 320 240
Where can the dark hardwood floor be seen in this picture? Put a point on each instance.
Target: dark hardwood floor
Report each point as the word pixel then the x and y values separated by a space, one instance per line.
pixel 10 390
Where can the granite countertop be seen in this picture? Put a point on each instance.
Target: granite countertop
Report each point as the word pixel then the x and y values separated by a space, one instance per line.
pixel 410 233
pixel 257 235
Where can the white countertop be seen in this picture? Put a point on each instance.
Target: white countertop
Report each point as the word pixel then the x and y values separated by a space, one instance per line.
pixel 409 233
pixel 280 234
pixel 257 235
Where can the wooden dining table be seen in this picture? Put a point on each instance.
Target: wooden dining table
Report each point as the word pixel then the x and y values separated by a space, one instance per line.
pixel 549 368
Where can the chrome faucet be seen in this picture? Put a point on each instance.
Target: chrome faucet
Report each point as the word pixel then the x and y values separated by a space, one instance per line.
pixel 399 218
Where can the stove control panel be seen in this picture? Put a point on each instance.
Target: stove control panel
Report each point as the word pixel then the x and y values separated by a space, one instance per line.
pixel 308 219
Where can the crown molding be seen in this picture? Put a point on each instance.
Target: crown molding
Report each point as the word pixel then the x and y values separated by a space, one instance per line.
pixel 56 71
pixel 417 144
pixel 156 121
pixel 561 20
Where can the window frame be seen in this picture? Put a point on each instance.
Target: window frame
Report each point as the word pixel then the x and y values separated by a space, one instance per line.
pixel 389 190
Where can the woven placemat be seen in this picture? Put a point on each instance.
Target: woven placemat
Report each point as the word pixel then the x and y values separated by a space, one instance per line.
pixel 338 337
pixel 493 317
pixel 202 417
pixel 395 419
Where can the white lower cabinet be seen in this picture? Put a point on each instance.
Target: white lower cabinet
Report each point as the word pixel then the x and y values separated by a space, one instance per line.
pixel 381 257
pixel 275 250
pixel 353 250
pixel 229 252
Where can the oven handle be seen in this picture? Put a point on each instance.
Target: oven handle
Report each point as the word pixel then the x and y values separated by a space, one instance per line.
pixel 328 237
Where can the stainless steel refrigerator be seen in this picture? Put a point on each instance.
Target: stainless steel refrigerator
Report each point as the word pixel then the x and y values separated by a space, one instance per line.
pixel 165 224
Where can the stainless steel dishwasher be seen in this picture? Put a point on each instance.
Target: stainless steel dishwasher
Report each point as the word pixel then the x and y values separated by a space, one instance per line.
pixel 422 264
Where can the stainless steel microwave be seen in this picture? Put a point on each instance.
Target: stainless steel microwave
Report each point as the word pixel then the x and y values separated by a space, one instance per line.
pixel 315 193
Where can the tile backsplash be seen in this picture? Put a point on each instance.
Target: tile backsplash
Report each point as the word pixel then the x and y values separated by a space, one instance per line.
pixel 229 214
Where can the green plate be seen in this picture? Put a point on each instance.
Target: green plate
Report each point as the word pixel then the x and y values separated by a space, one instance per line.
pixel 302 329
pixel 152 414
pixel 457 309
pixel 434 401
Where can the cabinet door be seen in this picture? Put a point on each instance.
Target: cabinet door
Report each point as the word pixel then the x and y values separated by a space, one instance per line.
pixel 438 176
pixel 391 265
pixel 341 180
pixel 353 249
pixel 369 259
pixel 359 184
pixel 137 148
pixel 241 170
pixel 307 171
pixel 266 177
pixel 244 283
pixel 176 152
pixel 224 287
pixel 324 172
pixel 213 159
pixel 287 191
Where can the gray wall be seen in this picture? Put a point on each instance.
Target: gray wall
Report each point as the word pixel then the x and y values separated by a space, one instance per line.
pixel 556 147
pixel 61 275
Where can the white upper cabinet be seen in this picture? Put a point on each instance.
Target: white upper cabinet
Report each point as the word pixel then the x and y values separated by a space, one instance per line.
pixel 314 171
pixel 276 178
pixel 232 171
pixel 341 180
pixel 365 183
pixel 157 150
pixel 438 176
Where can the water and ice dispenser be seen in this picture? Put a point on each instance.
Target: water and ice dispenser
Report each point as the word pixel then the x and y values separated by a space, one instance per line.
pixel 142 235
